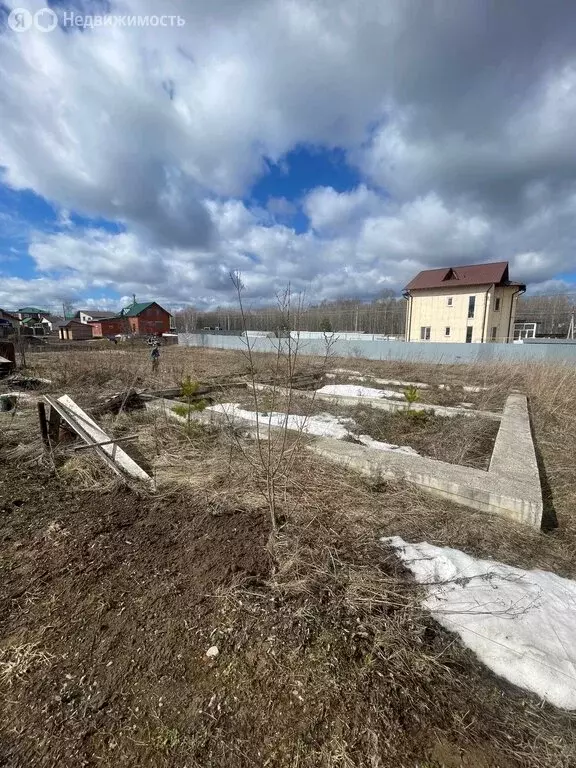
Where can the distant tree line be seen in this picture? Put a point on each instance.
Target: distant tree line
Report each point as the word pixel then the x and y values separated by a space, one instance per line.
pixel 383 315
pixel 551 313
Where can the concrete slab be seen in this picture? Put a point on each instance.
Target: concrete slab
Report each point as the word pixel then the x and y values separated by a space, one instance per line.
pixel 514 454
pixel 382 403
pixel 510 488
pixel 209 417
pixel 390 382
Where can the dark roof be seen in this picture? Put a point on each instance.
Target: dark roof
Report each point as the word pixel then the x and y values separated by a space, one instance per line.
pixel 469 274
pixel 96 314
pixel 33 311
pixel 135 309
pixel 71 322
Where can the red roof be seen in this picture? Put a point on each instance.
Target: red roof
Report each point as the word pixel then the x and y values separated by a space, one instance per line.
pixel 469 274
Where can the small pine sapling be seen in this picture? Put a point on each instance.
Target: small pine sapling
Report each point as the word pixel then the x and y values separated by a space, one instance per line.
pixel 188 390
pixel 411 395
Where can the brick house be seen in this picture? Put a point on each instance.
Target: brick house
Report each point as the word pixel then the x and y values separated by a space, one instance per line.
pixel 139 319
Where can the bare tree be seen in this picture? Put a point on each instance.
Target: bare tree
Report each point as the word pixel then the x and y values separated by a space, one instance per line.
pixel 277 447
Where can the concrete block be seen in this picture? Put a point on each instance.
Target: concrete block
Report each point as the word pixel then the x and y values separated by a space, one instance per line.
pixel 382 403
pixel 510 488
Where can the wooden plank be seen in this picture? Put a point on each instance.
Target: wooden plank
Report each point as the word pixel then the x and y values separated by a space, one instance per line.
pixel 54 426
pixel 43 422
pixel 117 402
pixel 106 442
pixel 97 435
pixel 77 428
pixel 204 388
pixel 90 432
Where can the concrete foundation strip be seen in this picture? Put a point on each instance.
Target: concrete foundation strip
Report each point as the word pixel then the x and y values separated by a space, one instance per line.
pixel 510 488
pixel 381 403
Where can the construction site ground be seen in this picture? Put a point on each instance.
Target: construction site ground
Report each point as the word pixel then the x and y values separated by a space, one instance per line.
pixel 114 597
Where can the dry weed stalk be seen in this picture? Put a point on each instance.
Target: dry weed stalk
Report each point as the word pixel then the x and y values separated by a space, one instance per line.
pixel 276 447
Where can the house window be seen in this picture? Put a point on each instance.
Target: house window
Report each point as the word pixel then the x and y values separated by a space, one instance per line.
pixel 425 333
pixel 471 306
pixel 469 334
pixel 449 301
pixel 447 331
pixel 494 333
pixel 496 304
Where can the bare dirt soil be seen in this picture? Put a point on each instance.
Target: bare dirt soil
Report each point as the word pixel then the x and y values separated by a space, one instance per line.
pixel 111 599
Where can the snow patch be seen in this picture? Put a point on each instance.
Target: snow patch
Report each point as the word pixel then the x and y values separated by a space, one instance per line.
pixel 465 387
pixel 363 376
pixel 397 383
pixel 347 371
pixel 321 425
pixel 352 390
pixel 369 442
pixel 521 624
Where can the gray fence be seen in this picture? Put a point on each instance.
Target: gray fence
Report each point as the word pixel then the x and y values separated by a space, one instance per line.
pixel 424 352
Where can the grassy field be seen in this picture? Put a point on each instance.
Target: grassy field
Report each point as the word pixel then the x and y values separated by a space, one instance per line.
pixel 111 596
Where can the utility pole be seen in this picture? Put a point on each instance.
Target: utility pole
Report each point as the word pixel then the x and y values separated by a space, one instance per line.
pixel 571 326
pixel 356 319
pixel 21 345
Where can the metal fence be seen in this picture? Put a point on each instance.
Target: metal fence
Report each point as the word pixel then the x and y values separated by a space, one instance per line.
pixel 423 352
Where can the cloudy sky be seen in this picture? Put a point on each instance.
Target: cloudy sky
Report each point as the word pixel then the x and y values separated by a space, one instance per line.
pixel 339 145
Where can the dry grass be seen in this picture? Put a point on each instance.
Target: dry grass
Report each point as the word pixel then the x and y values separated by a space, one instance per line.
pixel 331 662
pixel 550 389
pixel 355 671
pixel 17 660
pixel 457 440
pixel 86 471
pixel 90 373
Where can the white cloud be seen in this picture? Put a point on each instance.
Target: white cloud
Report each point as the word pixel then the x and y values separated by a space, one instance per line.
pixel 43 292
pixel 332 211
pixel 460 120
